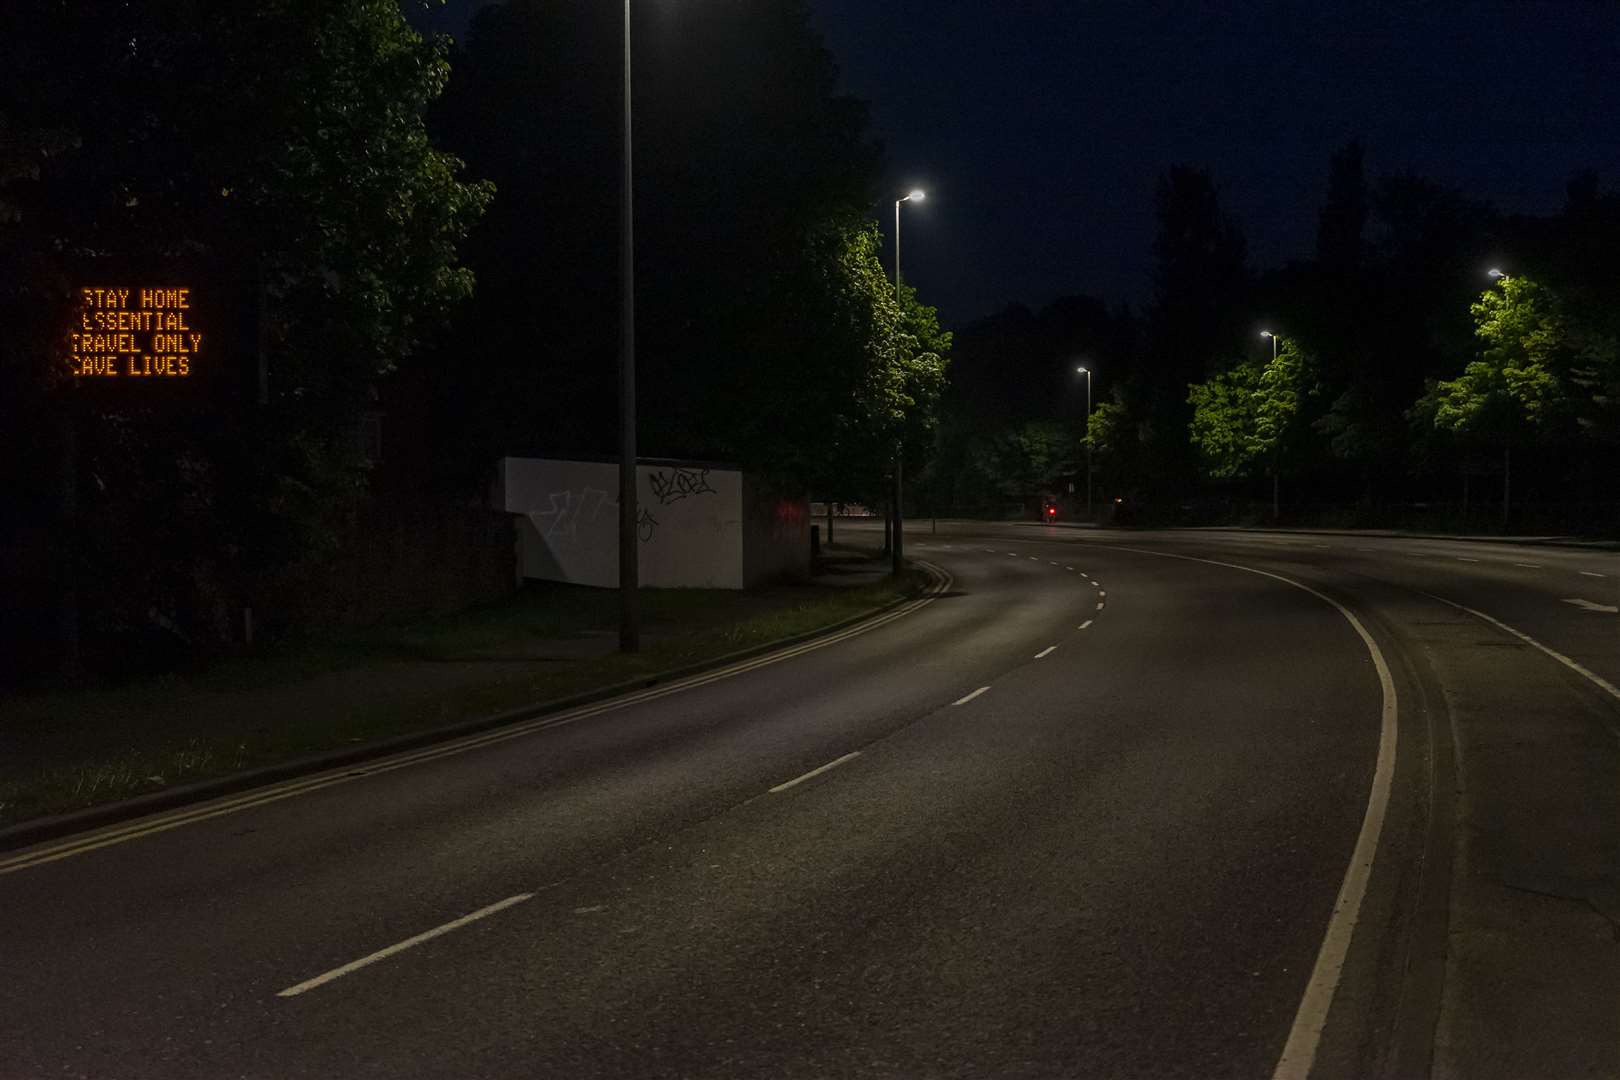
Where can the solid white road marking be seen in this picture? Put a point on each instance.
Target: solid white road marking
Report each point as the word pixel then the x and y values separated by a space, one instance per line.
pixel 833 764
pixel 410 942
pixel 1048 651
pixel 1590 606
pixel 969 697
pixel 1306 1033
pixel 1087 623
pixel 1529 565
pixel 1588 573
pixel 1597 680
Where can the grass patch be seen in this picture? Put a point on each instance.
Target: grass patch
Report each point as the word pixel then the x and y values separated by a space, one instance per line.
pixel 64 750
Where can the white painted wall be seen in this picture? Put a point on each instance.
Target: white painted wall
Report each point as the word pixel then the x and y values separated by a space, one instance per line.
pixel 694 531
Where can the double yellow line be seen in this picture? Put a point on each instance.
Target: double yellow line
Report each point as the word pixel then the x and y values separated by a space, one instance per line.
pixel 157 823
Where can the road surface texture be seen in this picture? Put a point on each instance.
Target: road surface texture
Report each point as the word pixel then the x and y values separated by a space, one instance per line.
pixel 1111 804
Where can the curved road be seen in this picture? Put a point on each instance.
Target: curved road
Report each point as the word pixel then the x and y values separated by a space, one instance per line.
pixel 1087 812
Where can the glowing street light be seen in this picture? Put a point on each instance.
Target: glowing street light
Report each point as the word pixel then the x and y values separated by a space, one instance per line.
pixel 1498 275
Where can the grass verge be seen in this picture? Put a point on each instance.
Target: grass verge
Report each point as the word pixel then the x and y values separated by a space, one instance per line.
pixel 65 750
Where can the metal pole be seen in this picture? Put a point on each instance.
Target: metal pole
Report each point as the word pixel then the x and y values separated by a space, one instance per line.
pixel 629 570
pixel 1276 456
pixel 1089 516
pixel 897 203
pixel 897 548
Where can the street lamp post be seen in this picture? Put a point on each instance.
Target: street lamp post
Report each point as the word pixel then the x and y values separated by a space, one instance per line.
pixel 1276 451
pixel 629 568
pixel 1501 276
pixel 1087 373
pixel 896 547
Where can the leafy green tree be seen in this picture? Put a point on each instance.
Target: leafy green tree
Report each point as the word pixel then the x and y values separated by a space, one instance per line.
pixel 925 358
pixel 1522 389
pixel 1243 416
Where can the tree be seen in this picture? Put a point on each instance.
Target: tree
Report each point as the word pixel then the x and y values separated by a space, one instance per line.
pixel 1520 389
pixel 279 152
pixel 1242 416
pixel 1343 218
pixel 751 170
pixel 1200 286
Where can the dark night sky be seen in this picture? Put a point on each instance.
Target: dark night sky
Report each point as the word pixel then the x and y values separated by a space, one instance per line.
pixel 1039 126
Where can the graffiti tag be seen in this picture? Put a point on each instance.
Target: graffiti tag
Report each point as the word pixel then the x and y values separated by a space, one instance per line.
pixel 561 521
pixel 679 483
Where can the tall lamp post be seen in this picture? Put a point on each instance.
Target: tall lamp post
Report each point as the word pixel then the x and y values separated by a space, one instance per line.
pixel 629 568
pixel 896 548
pixel 1087 373
pixel 1276 451
pixel 1501 276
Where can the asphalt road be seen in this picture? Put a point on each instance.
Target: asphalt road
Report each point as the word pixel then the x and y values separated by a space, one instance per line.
pixel 1092 811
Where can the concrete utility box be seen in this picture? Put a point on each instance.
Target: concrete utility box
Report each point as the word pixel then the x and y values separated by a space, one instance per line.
pixel 701 526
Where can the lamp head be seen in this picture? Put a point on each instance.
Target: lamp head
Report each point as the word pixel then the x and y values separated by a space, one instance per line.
pixel 916 195
pixel 1495 273
pixel 1267 333
pixel 1081 371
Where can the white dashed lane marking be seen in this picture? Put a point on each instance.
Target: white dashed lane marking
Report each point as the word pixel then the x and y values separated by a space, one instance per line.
pixel 834 763
pixel 408 943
